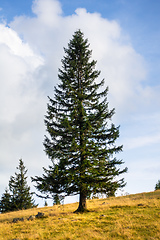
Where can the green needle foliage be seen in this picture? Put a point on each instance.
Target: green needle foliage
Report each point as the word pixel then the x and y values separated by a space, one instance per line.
pixel 18 197
pixel 81 141
pixel 5 202
pixel 157 187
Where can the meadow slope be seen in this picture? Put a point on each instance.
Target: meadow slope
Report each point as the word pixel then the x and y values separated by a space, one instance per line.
pixel 128 217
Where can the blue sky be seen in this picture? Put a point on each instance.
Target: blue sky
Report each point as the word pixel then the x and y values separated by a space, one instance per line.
pixel 124 37
pixel 139 19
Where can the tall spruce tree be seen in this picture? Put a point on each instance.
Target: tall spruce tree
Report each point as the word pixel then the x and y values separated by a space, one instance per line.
pixel 19 196
pixel 81 140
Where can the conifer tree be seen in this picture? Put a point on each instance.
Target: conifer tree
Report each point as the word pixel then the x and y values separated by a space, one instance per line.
pixel 157 187
pixel 81 136
pixel 18 197
pixel 5 202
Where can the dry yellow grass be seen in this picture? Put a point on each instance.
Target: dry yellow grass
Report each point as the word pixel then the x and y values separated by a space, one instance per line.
pixel 130 217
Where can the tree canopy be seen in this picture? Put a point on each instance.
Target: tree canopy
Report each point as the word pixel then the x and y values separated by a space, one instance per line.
pixel 81 136
pixel 18 196
pixel 157 186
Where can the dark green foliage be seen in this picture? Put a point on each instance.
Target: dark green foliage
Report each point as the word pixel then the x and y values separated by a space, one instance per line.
pixel 56 200
pixel 5 202
pixel 81 141
pixel 157 187
pixel 19 196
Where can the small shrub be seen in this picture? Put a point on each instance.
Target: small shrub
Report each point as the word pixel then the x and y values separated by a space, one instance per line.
pixel 157 185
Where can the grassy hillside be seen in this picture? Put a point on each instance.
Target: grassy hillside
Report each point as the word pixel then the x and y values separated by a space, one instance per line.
pixel 130 217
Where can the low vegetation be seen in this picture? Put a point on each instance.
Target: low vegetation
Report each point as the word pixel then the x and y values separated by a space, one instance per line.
pixel 128 217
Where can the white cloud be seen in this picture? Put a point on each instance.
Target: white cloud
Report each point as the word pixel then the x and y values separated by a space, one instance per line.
pixel 21 103
pixel 122 68
pixel 141 141
pixel 12 41
pixel 18 66
pixel 47 11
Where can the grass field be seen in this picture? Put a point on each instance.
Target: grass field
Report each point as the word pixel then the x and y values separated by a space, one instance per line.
pixel 128 217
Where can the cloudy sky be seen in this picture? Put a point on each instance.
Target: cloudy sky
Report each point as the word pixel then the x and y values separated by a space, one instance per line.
pixel 124 36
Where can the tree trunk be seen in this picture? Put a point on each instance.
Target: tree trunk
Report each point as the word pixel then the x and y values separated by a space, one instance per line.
pixel 82 203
